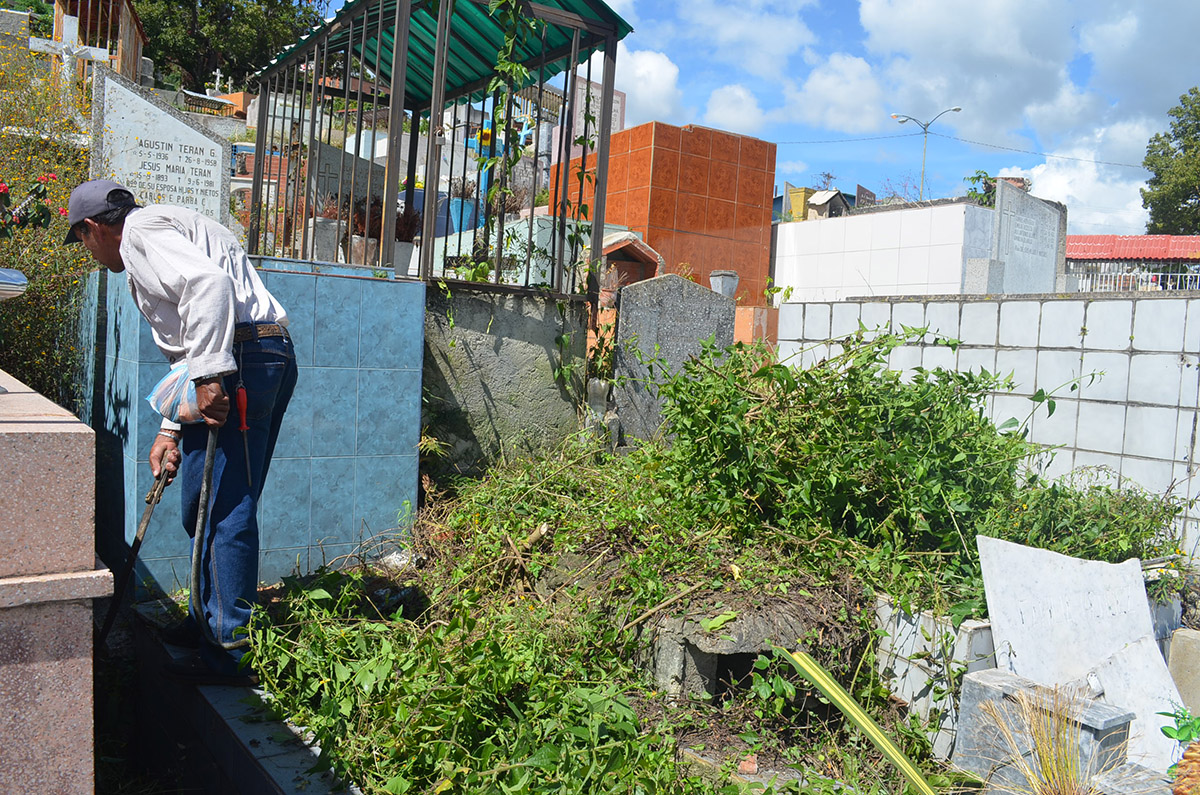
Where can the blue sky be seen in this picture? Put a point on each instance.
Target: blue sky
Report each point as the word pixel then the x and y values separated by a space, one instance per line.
pixel 1087 81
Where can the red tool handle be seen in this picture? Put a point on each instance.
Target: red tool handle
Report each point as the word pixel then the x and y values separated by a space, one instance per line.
pixel 241 401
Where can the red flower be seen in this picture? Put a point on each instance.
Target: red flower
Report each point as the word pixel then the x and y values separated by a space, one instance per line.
pixel 3 187
pixel 62 210
pixel 42 178
pixel 51 176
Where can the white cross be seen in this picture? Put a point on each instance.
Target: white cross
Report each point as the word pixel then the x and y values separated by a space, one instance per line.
pixel 218 79
pixel 70 49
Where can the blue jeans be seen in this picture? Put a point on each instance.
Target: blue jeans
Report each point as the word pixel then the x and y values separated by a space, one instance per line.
pixel 229 573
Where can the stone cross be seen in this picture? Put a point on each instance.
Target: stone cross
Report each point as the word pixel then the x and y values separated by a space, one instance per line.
pixel 218 83
pixel 71 50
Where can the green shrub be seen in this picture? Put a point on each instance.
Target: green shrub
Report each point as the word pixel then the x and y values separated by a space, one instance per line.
pixel 845 444
pixel 39 331
pixel 1086 518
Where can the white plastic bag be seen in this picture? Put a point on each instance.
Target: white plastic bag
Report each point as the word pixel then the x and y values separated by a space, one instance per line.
pixel 174 396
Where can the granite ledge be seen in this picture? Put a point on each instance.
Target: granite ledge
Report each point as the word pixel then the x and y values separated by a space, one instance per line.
pixel 42 588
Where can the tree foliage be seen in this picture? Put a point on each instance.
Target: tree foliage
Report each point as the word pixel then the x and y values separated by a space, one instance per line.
pixel 188 41
pixel 1172 194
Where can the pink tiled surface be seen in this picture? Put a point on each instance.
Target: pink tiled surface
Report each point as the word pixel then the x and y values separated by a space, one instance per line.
pixel 701 197
pixel 47 504
pixel 46 698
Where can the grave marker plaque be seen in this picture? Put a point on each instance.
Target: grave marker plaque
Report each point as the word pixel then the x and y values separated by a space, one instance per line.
pixel 666 317
pixel 155 151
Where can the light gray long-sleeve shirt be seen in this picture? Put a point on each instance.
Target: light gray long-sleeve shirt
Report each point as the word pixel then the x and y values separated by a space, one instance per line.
pixel 191 279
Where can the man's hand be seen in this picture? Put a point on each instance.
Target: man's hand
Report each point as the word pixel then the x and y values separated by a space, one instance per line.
pixel 164 453
pixel 212 401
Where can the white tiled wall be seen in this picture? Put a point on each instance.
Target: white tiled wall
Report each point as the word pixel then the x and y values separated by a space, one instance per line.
pixel 1137 361
pixel 905 252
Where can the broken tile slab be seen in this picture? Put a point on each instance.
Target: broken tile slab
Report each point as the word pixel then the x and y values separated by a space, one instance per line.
pixel 918 659
pixel 1132 779
pixel 1136 677
pixel 1184 665
pixel 1055 617
pixel 980 749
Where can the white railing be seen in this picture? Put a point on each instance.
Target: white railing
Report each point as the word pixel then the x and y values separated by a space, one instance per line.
pixel 1134 282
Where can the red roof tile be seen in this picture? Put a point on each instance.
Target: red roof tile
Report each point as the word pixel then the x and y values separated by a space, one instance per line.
pixel 1133 247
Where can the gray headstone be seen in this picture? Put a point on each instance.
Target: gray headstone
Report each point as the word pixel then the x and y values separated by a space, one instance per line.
pixel 155 150
pixel 980 748
pixel 666 318
pixel 1025 238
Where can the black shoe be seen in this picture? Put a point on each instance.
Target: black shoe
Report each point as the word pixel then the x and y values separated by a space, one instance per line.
pixel 184 634
pixel 192 670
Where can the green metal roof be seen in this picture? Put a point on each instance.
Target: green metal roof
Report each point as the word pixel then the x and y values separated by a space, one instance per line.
pixel 475 38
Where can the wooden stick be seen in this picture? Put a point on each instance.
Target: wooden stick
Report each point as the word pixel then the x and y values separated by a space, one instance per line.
pixel 660 606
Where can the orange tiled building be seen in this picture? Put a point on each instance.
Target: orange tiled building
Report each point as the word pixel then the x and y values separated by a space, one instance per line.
pixel 700 197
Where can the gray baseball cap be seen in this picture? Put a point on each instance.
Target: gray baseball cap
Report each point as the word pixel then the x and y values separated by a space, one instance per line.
pixel 95 198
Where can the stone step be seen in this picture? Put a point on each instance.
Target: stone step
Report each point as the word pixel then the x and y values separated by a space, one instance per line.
pixel 223 739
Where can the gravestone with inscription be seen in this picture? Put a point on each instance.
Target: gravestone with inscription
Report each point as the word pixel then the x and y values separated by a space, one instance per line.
pixel 1025 238
pixel 155 151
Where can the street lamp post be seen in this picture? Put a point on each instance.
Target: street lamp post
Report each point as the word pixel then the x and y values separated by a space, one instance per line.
pixel 924 125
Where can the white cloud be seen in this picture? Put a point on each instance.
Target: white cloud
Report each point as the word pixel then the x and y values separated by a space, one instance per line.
pixel 758 36
pixel 840 94
pixel 1100 198
pixel 791 168
pixel 995 60
pixel 735 109
pixel 650 80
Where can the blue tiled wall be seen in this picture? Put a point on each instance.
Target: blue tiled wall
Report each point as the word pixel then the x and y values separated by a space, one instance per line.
pixel 345 468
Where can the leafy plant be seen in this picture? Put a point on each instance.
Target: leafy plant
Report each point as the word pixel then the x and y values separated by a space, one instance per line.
pixel 982 188
pixel 1185 731
pixel 1084 516
pixel 813 672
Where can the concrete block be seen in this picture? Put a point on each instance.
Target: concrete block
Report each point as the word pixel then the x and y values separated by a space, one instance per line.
pixel 1184 665
pixel 917 658
pixel 791 321
pixel 845 320
pixel 877 316
pixel 980 748
pixel 979 323
pixel 816 322
pixel 1158 325
pixel 1056 370
pixel 942 318
pixel 907 313
pixel 1062 324
pixel 1150 432
pixel 1105 376
pixel 1155 378
pixel 1101 427
pixel 976 359
pixel 1109 324
pixel 1019 321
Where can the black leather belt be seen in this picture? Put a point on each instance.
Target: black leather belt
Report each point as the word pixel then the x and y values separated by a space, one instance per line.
pixel 256 330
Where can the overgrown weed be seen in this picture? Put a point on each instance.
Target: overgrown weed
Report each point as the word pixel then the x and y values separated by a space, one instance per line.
pixel 806 491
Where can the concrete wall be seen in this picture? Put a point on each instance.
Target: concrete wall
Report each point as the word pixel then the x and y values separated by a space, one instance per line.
pixel 47 583
pixel 489 375
pixel 900 252
pixel 1139 415
pixel 346 462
